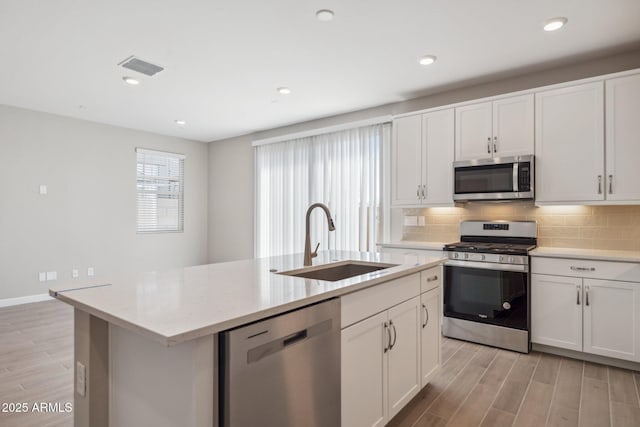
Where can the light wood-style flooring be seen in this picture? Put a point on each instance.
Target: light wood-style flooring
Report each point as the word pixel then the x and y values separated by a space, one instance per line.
pixel 477 385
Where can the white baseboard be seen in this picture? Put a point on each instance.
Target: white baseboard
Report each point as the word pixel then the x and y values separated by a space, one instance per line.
pixel 7 302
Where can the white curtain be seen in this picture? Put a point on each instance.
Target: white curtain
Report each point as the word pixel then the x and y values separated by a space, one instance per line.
pixel 342 170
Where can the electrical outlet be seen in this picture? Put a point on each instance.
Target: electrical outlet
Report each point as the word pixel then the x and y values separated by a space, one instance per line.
pixel 81 379
pixel 42 276
pixel 90 271
pixel 410 220
pixel 43 189
pixel 421 221
pixel 52 275
pixel 74 273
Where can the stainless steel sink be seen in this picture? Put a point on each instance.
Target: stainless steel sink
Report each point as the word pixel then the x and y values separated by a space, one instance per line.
pixel 338 270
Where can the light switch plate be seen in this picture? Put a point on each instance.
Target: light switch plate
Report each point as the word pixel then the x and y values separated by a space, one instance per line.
pixel 74 273
pixel 42 276
pixel 52 275
pixel 90 271
pixel 410 220
pixel 421 221
pixel 43 189
pixel 81 379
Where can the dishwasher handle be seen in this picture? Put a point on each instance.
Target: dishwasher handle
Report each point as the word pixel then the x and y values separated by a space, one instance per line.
pixel 294 338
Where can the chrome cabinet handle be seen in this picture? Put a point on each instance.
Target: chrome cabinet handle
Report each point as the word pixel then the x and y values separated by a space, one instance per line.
pixel 610 184
pixel 574 268
pixel 418 192
pixel 587 296
pixel 395 334
pixel 495 144
pixel 432 279
pixel 426 312
pixel 424 191
pixel 599 184
pixel 386 328
pixel 489 145
pixel 578 295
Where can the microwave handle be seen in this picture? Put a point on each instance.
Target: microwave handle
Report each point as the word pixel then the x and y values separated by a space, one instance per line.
pixel 515 176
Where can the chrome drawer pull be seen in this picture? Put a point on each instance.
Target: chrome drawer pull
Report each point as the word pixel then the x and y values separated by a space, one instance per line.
pixel 574 268
pixel 432 279
pixel 426 312
pixel 386 327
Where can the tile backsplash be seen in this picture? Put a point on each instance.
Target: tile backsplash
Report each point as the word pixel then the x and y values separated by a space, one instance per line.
pixel 584 227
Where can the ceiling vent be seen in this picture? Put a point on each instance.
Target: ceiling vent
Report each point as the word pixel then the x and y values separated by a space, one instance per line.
pixel 144 67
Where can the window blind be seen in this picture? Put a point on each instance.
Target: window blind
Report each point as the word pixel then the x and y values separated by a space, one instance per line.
pixel 160 191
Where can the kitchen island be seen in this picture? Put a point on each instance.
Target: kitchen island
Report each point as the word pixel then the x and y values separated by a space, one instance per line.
pixel 146 344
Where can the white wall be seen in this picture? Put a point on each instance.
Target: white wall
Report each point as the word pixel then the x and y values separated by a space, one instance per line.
pixel 88 217
pixel 231 182
pixel 231 161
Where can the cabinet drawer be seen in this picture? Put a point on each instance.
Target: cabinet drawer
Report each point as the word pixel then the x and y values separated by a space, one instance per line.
pixel 362 304
pixel 608 270
pixel 431 279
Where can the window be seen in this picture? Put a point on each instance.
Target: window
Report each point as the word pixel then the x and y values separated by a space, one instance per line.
pixel 341 169
pixel 160 191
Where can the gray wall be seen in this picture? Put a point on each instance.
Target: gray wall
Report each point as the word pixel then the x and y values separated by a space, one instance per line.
pixel 230 159
pixel 88 218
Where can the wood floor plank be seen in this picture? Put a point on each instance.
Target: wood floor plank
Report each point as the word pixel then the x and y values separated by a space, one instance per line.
pixel 547 369
pixel 497 418
pixel 596 371
pixel 625 415
pixel 535 406
pixel 622 386
pixel 430 420
pixel 474 408
pixel 562 416
pixel 569 384
pixel 594 408
pixel 498 370
pixel 515 386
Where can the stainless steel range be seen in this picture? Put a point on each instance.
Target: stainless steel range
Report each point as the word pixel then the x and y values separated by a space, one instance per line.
pixel 487 284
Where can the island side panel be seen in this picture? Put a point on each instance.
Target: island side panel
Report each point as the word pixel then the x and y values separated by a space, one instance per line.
pixel 152 384
pixel 91 349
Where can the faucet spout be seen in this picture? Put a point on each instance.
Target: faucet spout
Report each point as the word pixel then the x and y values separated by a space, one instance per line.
pixel 307 240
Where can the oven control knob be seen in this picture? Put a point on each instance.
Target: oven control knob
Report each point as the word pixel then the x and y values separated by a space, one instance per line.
pixel 501 258
pixel 482 257
pixel 466 256
pixel 455 255
pixel 512 260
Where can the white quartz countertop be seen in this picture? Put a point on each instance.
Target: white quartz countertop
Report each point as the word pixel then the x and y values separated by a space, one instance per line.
pixel 407 244
pixel 596 254
pixel 183 304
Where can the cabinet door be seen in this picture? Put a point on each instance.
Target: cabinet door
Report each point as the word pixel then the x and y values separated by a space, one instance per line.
pixel 438 138
pixel 473 132
pixel 570 144
pixel 513 126
pixel 406 161
pixel 611 319
pixel 623 138
pixel 430 335
pixel 404 369
pixel 556 311
pixel 364 373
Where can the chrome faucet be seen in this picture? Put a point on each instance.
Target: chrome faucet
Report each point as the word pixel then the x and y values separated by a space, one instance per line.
pixel 307 239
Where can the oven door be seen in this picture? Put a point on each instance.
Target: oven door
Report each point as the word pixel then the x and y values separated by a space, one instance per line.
pixel 496 294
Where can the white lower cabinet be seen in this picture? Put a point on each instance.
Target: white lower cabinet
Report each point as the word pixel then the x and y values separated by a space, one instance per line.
pixel 430 335
pixel 388 356
pixel 590 315
pixel 380 370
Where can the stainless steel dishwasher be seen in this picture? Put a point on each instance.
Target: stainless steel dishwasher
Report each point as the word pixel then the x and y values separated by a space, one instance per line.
pixel 283 371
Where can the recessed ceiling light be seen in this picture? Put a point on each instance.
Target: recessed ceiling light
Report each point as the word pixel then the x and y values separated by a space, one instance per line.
pixel 180 122
pixel 284 90
pixel 427 60
pixel 325 15
pixel 555 24
pixel 131 81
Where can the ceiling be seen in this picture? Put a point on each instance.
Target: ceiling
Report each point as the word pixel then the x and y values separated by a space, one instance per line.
pixel 224 59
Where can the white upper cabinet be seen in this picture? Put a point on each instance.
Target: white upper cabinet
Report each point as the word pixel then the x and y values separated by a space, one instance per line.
pixel 406 163
pixel 623 138
pixel 499 128
pixel 421 159
pixel 569 144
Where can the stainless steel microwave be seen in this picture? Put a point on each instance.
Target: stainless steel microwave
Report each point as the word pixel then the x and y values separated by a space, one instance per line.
pixel 503 178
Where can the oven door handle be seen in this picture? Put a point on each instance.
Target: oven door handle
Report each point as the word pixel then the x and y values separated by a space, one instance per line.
pixel 488 265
